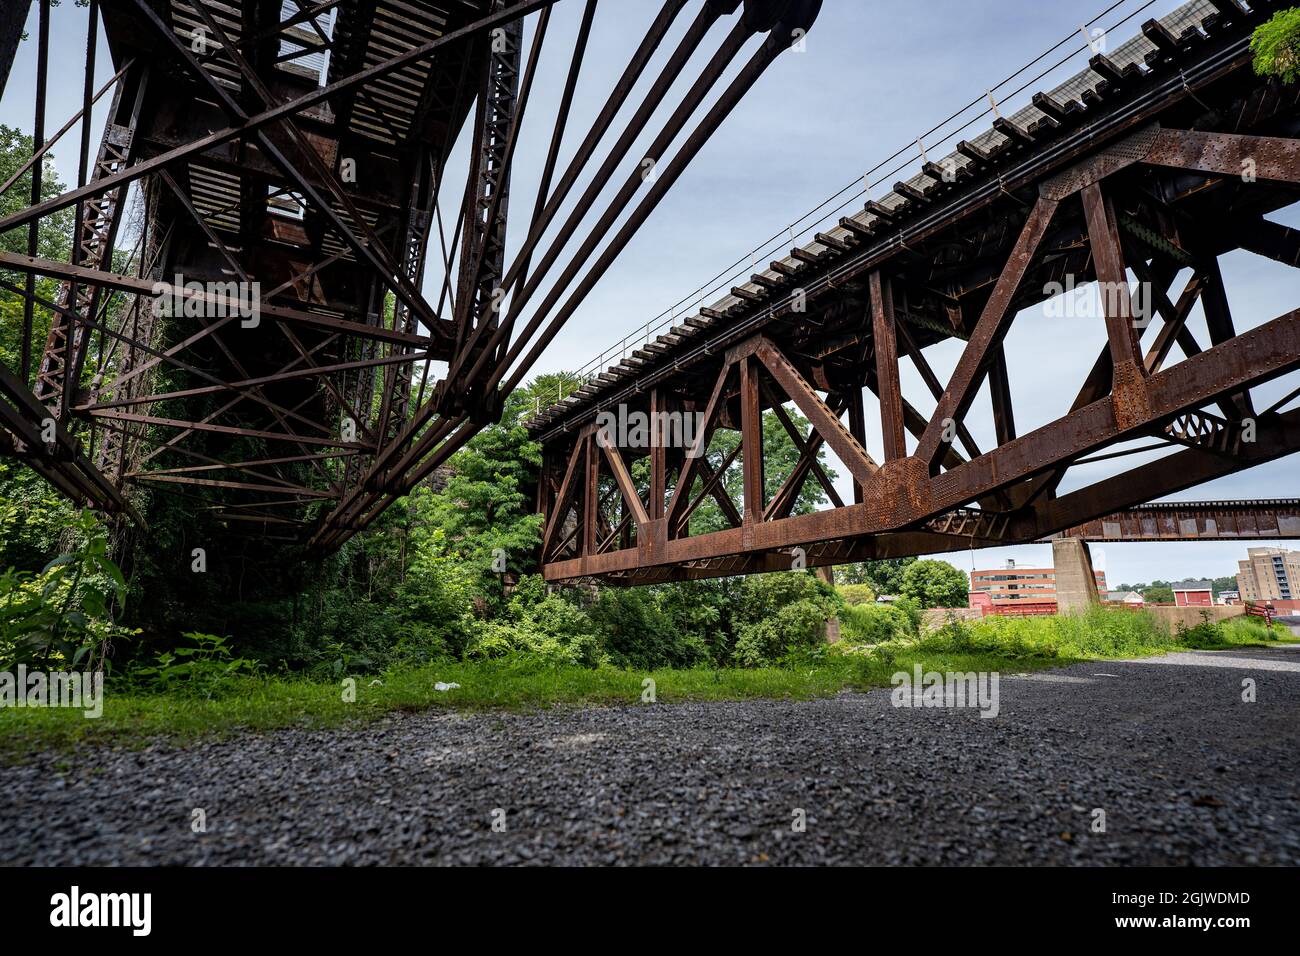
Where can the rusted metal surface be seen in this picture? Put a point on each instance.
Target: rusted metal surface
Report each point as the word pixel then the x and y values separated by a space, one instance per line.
pixel 305 149
pixel 1148 175
pixel 1197 521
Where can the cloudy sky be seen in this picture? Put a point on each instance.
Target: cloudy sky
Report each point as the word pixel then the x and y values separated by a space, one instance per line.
pixel 873 77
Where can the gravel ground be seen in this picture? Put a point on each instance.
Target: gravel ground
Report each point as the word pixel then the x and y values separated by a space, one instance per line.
pixel 1184 770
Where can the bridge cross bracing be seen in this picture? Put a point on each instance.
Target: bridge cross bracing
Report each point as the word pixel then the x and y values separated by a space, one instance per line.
pixel 1165 154
pixel 319 309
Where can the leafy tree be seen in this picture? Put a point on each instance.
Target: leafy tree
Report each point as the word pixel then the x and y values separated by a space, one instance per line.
pixel 857 593
pixel 485 509
pixel 884 576
pixel 1159 594
pixel 545 390
pixel 1276 45
pixel 1224 584
pixel 934 584
pixel 779 458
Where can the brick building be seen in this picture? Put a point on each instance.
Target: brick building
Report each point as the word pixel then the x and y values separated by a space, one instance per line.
pixel 1010 585
pixel 1269 574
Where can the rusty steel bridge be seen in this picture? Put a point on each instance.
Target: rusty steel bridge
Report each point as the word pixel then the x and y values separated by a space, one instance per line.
pixel 305 151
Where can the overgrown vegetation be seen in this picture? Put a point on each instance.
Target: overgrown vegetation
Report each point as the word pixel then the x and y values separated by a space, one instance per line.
pixel 210 691
pixel 64 614
pixel 447 575
pixel 1276 45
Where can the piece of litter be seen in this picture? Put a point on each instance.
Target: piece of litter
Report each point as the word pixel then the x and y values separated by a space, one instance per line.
pixel 441 686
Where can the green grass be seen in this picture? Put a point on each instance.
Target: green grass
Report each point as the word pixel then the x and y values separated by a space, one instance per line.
pixel 133 717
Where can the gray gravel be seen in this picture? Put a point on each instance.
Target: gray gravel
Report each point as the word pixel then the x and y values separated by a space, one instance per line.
pixel 1185 771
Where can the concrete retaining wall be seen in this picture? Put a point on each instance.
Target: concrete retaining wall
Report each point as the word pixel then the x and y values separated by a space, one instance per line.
pixel 1191 616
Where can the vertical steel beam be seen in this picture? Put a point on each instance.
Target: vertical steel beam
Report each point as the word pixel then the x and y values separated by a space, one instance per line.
pixel 1004 416
pixel 658 455
pixel 1218 319
pixel 751 429
pixel 591 497
pixel 858 429
pixel 1112 276
pixel 891 395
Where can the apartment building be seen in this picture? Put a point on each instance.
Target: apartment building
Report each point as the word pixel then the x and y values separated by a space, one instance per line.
pixel 1010 584
pixel 1269 574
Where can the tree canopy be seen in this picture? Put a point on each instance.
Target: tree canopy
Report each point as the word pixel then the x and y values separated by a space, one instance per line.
pixel 934 584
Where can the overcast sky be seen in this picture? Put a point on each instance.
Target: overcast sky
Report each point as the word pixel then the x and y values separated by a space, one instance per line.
pixel 873 78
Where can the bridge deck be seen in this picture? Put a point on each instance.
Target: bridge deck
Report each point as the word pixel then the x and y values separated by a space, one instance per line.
pixel 1135 164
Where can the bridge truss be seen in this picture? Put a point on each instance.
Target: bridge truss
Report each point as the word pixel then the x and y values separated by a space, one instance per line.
pixel 300 156
pixel 1159 159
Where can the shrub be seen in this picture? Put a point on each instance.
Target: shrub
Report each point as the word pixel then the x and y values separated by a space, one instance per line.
pixel 435 601
pixel 914 614
pixel 561 619
pixel 874 623
pixel 793 628
pixel 1203 635
pixel 64 614
pixel 497 639
pixel 1099 633
pixel 702 610
pixel 205 668
pixel 636 632
pixel 763 595
pixel 857 593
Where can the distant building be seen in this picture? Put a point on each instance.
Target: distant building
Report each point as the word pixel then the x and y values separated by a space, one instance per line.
pixel 1229 597
pixel 1131 598
pixel 1194 594
pixel 1269 574
pixel 1012 585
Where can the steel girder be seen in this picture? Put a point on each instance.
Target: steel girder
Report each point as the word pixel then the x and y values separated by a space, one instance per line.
pixel 1131 187
pixel 239 149
pixel 1266 520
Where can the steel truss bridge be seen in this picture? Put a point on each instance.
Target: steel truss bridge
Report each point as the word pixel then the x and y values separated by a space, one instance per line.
pixel 303 150
pixel 306 150
pixel 1166 153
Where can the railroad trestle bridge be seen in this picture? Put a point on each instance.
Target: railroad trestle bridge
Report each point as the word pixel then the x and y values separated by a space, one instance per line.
pixel 308 149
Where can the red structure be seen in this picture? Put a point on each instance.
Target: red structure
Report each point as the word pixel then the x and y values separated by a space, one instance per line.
pixel 1013 584
pixel 1133 168
pixel 1198 594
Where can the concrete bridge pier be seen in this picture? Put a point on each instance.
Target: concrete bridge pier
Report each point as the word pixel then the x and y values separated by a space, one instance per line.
pixel 1076 584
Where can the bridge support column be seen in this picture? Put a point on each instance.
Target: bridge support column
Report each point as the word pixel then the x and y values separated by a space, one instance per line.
pixel 1076 584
